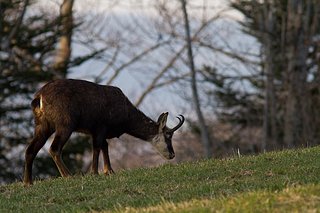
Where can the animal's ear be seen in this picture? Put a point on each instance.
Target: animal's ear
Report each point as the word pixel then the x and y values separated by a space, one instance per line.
pixel 162 120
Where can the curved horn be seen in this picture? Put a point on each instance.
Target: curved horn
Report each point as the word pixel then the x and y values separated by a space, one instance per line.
pixel 181 120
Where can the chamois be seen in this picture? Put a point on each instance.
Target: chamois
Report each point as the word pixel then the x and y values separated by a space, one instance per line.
pixel 104 112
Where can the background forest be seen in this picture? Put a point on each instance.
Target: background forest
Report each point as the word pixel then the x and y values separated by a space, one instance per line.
pixel 244 73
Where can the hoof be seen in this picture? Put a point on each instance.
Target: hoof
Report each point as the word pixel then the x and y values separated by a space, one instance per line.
pixel 109 172
pixel 27 184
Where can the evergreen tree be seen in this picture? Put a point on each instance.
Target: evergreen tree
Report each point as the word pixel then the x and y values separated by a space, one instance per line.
pixel 28 44
pixel 283 99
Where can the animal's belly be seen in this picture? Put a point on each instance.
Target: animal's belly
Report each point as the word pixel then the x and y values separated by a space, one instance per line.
pixel 108 132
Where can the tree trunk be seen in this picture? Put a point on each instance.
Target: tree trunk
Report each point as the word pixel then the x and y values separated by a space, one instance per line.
pixel 64 46
pixel 269 120
pixel 205 136
pixel 297 120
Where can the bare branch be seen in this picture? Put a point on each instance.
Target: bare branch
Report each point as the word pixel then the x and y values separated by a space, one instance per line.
pixel 172 80
pixel 79 60
pixel 110 64
pixel 134 59
pixel 229 53
pixel 153 83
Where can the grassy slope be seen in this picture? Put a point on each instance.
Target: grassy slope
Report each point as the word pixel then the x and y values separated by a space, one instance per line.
pixel 294 199
pixel 281 181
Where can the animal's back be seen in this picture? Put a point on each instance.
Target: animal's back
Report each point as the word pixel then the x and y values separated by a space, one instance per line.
pixel 81 104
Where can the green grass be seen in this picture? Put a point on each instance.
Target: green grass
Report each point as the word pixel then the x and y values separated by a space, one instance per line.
pixel 278 182
pixel 294 199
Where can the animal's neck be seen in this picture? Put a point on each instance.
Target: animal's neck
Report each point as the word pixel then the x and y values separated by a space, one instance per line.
pixel 141 126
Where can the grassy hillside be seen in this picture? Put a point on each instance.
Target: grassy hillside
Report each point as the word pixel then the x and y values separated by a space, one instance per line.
pixel 280 181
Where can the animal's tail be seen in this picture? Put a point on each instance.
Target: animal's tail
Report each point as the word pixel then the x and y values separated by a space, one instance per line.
pixel 36 105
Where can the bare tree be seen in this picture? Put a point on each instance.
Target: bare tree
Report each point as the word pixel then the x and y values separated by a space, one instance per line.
pixel 205 137
pixel 156 48
pixel 154 83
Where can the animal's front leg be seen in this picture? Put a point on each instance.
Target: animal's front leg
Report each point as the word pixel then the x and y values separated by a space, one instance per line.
pixel 107 169
pixel 95 160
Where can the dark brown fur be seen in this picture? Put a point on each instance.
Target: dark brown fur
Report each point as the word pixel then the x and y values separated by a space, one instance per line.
pixel 104 112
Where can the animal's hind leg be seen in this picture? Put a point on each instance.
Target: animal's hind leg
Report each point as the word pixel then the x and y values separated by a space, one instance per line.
pixel 40 137
pixel 95 155
pixel 107 169
pixel 59 141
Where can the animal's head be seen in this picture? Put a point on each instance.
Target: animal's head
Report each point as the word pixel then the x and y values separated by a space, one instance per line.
pixel 162 141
